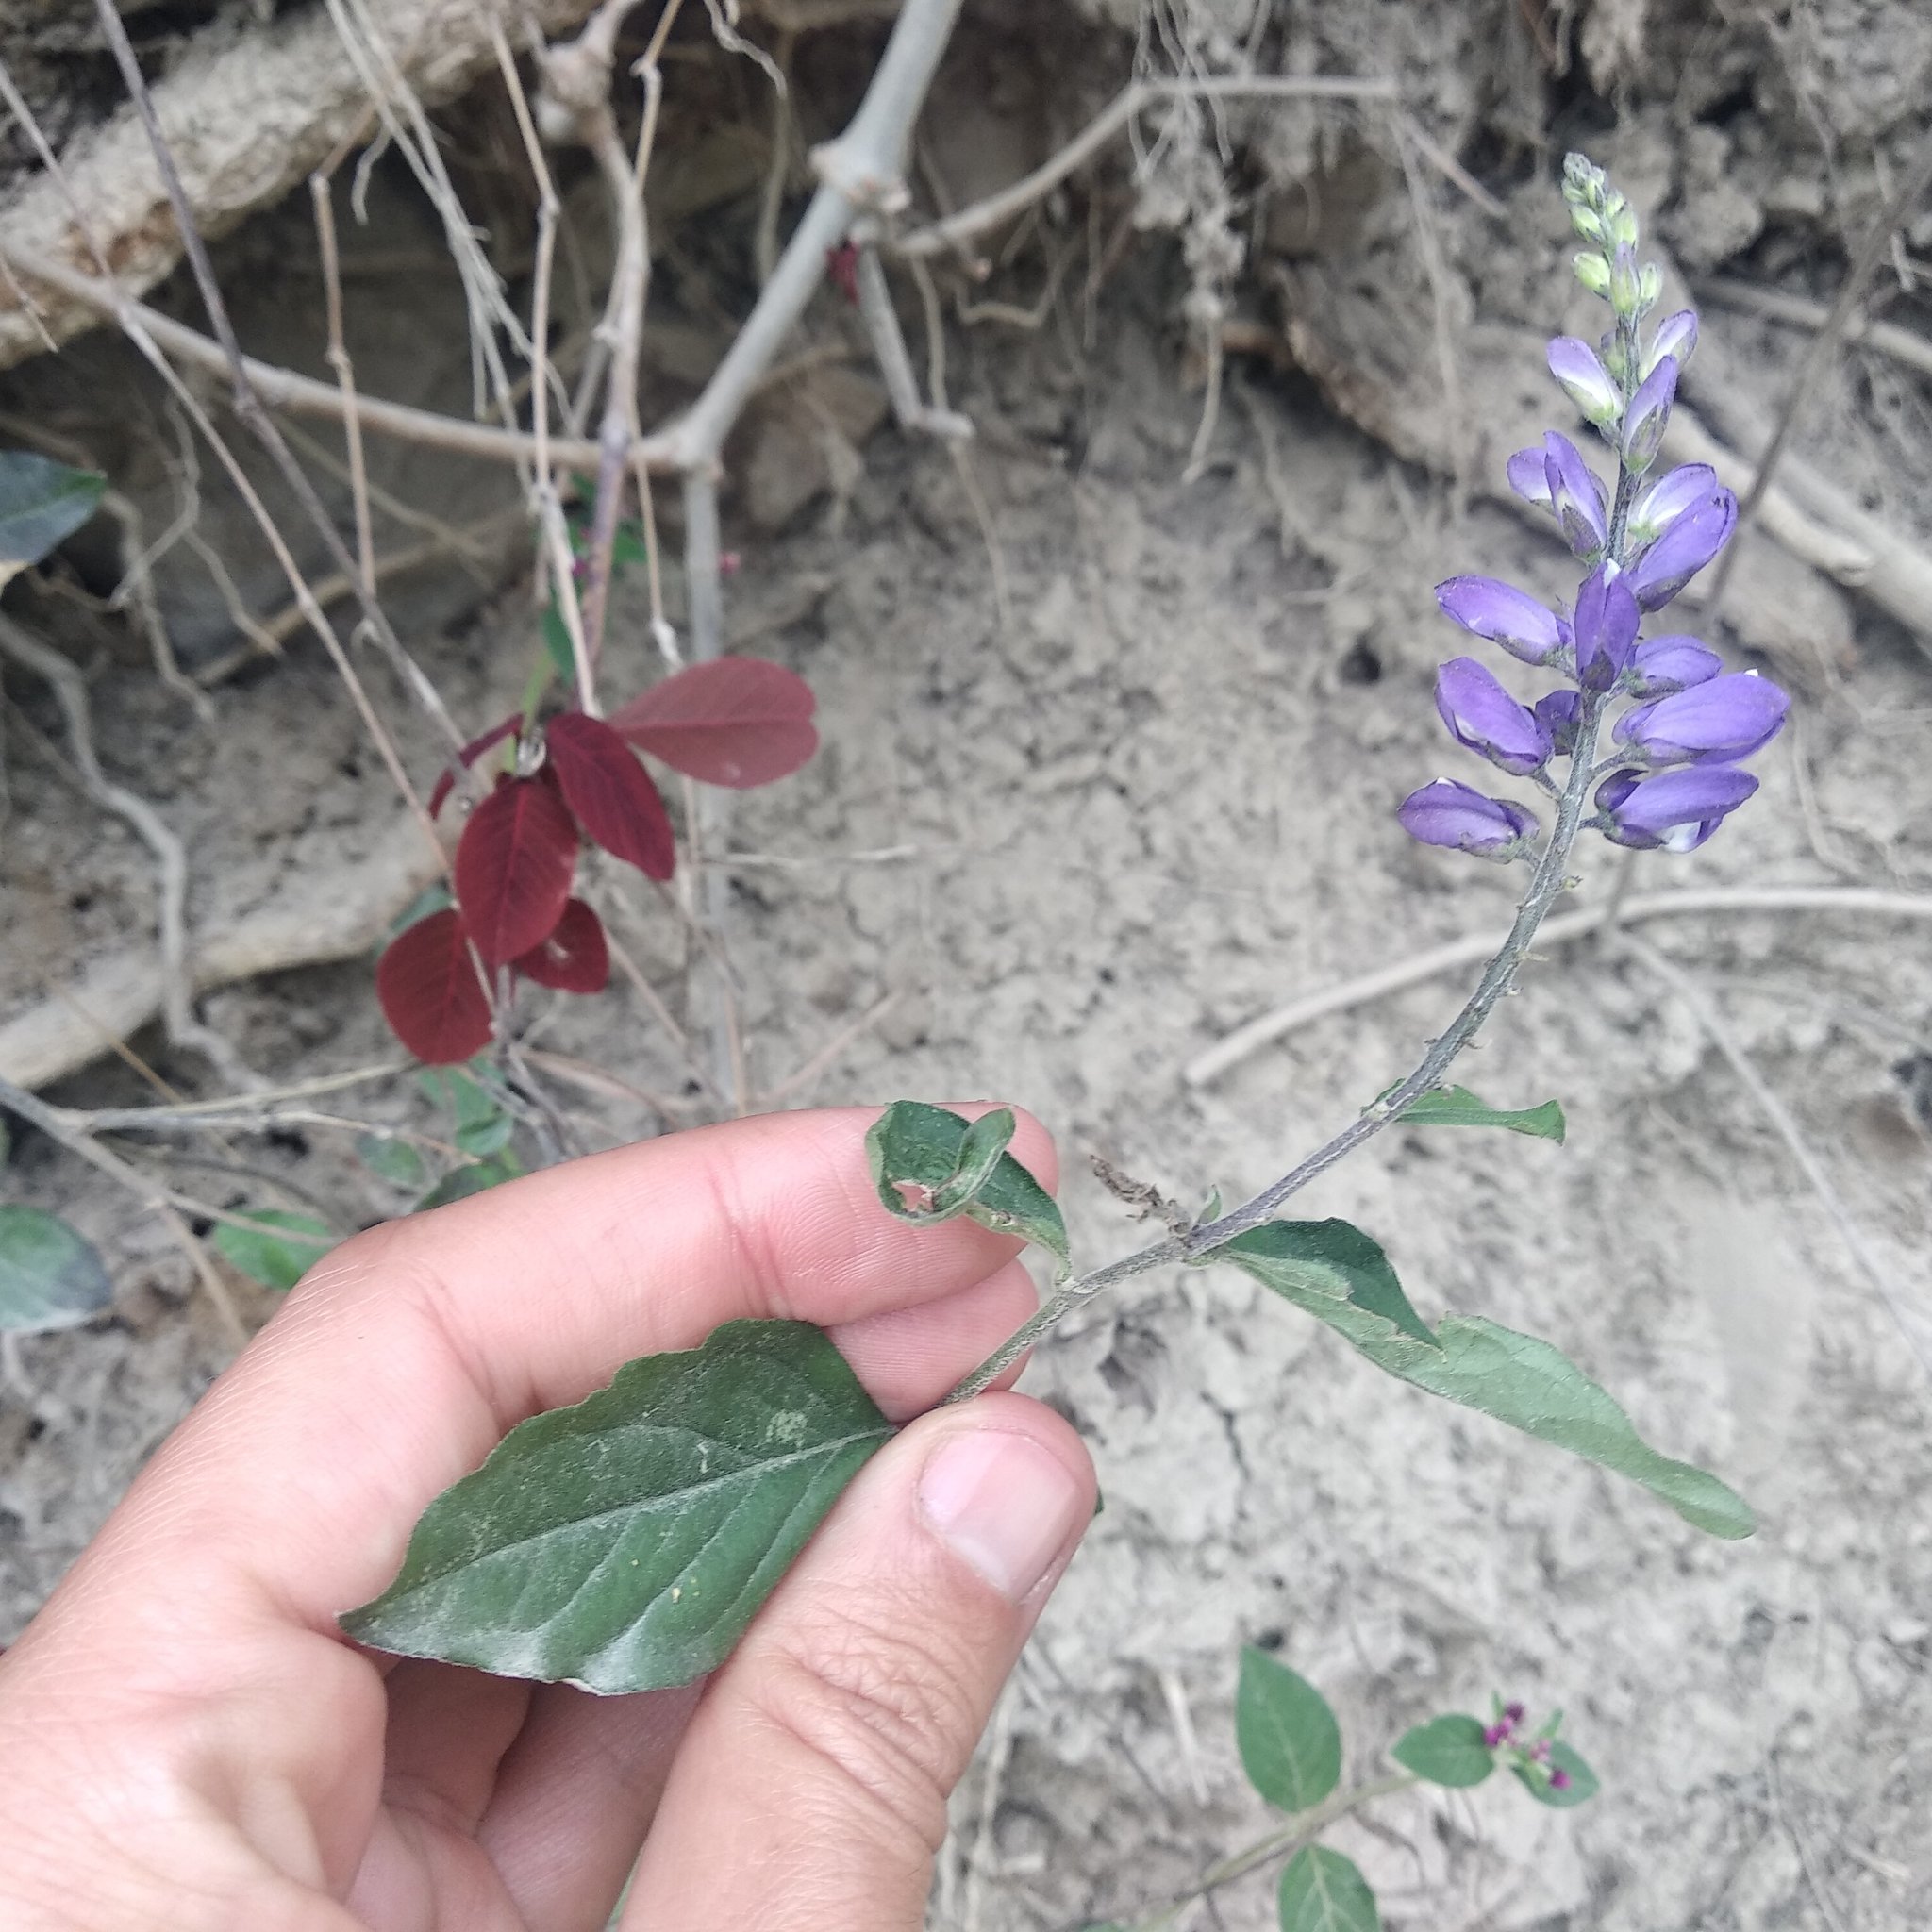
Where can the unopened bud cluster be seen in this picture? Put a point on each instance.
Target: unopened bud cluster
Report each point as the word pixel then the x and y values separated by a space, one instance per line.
pixel 1674 775
pixel 1531 1755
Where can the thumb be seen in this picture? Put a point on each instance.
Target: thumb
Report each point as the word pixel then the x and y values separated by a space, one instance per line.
pixel 810 1789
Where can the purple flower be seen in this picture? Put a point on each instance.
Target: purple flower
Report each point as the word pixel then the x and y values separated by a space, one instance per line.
pixel 1447 813
pixel 1675 337
pixel 1579 500
pixel 1714 723
pixel 1528 474
pixel 1559 1779
pixel 1560 714
pixel 1678 811
pixel 1672 663
pixel 1482 717
pixel 1513 1714
pixel 1494 1734
pixel 1683 550
pixel 1649 415
pixel 1503 614
pixel 1606 628
pixel 1669 497
pixel 1585 380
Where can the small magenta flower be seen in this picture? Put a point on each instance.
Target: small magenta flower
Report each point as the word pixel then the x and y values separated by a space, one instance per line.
pixel 1648 416
pixel 1482 717
pixel 1559 1779
pixel 1503 614
pixel 1458 816
pixel 1559 714
pixel 1513 1714
pixel 1606 629
pixel 1675 337
pixel 1713 724
pixel 1676 810
pixel 1582 376
pixel 1666 664
pixel 1494 1734
pixel 1683 550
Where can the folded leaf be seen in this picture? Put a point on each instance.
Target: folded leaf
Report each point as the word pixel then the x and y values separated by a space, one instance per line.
pixel 1457 1106
pixel 625 1543
pixel 930 1152
pixel 1514 1377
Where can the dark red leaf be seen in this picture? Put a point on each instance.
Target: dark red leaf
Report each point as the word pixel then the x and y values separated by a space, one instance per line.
pixel 575 959
pixel 610 792
pixel 431 994
pixel 513 868
pixel 732 721
pixel 469 755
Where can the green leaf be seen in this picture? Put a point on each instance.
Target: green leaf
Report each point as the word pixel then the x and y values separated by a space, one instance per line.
pixel 460 1183
pixel 1316 1263
pixel 924 1148
pixel 399 1162
pixel 979 1152
pixel 628 546
pixel 41 502
pixel 1322 1892
pixel 1457 1106
pixel 624 1544
pixel 483 1125
pixel 1290 1743
pixel 1581 1788
pixel 278 1253
pixel 1446 1751
pixel 1514 1377
pixel 557 646
pixel 49 1276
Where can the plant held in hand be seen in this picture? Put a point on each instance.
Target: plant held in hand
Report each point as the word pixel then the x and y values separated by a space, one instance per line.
pixel 623 1544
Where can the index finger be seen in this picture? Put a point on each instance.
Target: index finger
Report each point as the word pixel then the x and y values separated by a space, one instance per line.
pixel 407 1353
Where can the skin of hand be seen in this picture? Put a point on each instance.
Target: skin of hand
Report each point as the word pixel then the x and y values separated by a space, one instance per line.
pixel 187 1739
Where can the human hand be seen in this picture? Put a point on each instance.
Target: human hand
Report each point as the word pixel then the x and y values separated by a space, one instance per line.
pixel 188 1740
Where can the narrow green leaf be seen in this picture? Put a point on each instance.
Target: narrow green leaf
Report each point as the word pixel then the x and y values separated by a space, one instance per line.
pixel 1319 1263
pixel 1290 1743
pixel 1446 1751
pixel 979 1152
pixel 277 1259
pixel 1457 1106
pixel 41 502
pixel 399 1162
pixel 50 1278
pixel 1322 1892
pixel 624 1544
pixel 1581 1788
pixel 473 1178
pixel 1514 1377
pixel 916 1146
pixel 556 644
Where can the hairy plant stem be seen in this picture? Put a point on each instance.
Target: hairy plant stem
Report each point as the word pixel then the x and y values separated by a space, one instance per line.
pixel 1288 1839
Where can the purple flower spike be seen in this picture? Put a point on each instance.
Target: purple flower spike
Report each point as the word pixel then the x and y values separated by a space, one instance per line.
pixel 1725 719
pixel 1676 810
pixel 1584 379
pixel 1579 500
pixel 1528 476
pixel 1663 665
pixel 1669 497
pixel 1503 614
pixel 1648 416
pixel 1683 550
pixel 1461 818
pixel 1605 628
pixel 1560 714
pixel 1482 717
pixel 1675 337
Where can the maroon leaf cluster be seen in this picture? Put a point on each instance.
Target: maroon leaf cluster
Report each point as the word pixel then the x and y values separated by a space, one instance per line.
pixel 732 721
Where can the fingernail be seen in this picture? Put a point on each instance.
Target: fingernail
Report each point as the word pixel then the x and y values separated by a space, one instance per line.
pixel 1004 1504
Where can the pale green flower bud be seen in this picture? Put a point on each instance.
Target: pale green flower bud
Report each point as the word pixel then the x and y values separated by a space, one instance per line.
pixel 1593 272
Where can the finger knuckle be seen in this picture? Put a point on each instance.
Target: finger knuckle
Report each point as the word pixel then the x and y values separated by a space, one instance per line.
pixel 886 1709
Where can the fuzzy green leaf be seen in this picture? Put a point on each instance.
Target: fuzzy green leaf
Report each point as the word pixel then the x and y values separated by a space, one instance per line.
pixel 1514 1377
pixel 625 1543
pixel 1457 1106
pixel 928 1149
pixel 1581 1788
pixel 50 1278
pixel 399 1162
pixel 1290 1743
pixel 1447 1750
pixel 979 1153
pixel 278 1253
pixel 41 502
pixel 1322 1892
